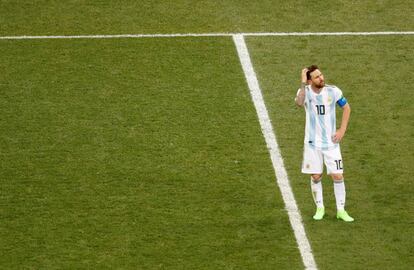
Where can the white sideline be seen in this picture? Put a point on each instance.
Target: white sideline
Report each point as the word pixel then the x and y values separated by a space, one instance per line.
pixel 264 34
pixel 277 161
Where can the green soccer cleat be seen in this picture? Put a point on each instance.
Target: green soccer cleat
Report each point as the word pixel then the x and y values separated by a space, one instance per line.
pixel 342 214
pixel 320 212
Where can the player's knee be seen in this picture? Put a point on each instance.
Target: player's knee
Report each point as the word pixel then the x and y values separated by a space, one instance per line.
pixel 316 177
pixel 337 177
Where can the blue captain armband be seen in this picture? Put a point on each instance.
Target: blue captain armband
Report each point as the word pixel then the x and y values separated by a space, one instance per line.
pixel 342 101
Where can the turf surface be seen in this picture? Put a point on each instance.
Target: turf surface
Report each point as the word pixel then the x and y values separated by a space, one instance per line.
pixel 183 16
pixel 121 153
pixel 147 153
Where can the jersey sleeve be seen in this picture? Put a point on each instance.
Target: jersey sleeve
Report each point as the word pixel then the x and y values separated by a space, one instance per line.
pixel 339 97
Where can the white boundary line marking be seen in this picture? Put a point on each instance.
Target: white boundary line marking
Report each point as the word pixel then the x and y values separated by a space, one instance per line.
pixel 277 161
pixel 210 35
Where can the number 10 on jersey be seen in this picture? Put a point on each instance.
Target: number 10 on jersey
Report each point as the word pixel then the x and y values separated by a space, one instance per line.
pixel 320 109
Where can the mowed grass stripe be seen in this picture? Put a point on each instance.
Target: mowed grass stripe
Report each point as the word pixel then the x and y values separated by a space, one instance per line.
pixel 374 74
pixel 149 16
pixel 135 154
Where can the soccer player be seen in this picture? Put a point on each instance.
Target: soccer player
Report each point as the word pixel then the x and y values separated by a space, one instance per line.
pixel 322 138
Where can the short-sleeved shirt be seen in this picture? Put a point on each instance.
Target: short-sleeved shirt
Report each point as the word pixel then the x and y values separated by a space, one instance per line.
pixel 321 116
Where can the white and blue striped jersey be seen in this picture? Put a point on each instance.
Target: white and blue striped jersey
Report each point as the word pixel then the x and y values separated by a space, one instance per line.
pixel 321 116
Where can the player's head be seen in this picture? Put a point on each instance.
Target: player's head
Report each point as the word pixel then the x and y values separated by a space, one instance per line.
pixel 315 76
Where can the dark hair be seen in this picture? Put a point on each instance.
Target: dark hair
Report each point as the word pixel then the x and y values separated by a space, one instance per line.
pixel 310 70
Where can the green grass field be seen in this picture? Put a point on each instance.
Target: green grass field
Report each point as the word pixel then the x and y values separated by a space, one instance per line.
pixel 148 154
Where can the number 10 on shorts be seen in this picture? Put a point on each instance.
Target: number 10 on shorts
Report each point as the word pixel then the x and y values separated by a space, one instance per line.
pixel 338 164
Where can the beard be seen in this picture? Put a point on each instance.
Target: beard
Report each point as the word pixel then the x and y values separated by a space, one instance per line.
pixel 320 85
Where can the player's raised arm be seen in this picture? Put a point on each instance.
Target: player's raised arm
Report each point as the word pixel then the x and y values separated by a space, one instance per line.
pixel 300 96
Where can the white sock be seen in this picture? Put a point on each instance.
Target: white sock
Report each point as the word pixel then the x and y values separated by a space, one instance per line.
pixel 317 193
pixel 340 194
